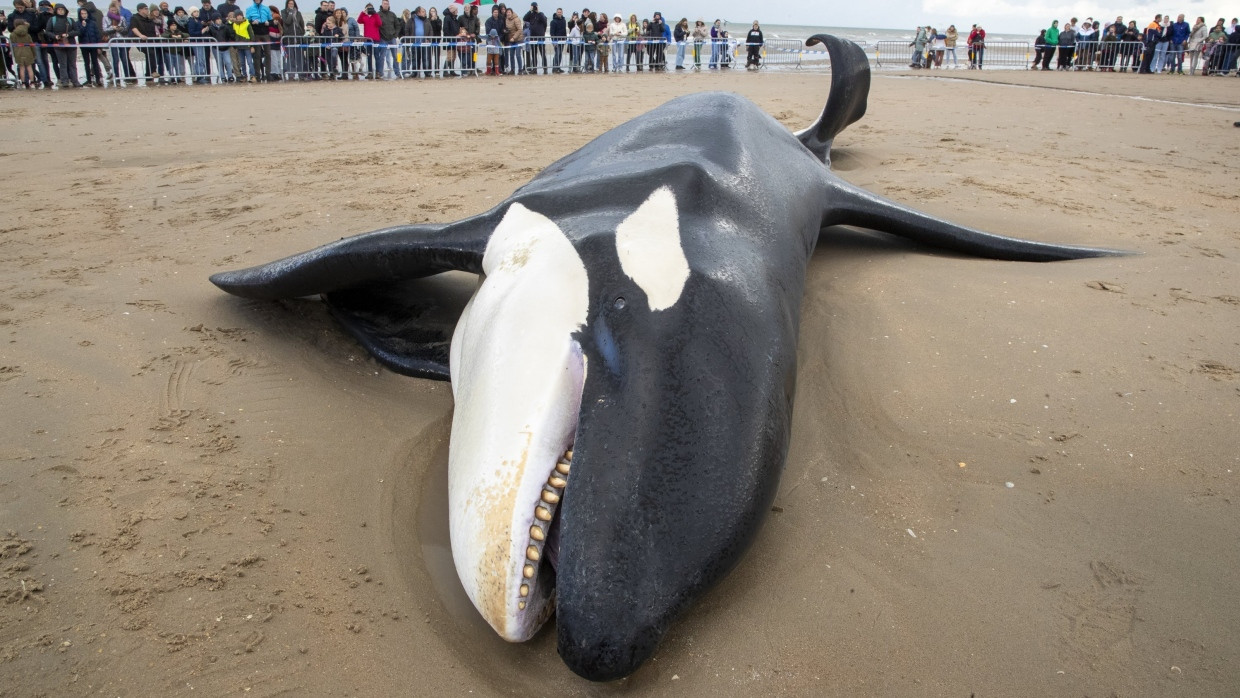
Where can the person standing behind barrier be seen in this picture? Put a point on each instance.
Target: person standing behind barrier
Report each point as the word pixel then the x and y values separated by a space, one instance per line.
pixel 292 24
pixel 1086 46
pixel 1180 32
pixel 557 32
pixel 616 31
pixel 938 46
pixel 918 45
pixel 1052 42
pixel 514 36
pixel 1067 47
pixel 174 56
pixel 141 26
pixel 97 17
pixel 631 31
pixel 538 39
pixel 949 44
pixel 434 32
pixel 25 13
pixel 753 46
pixel 23 51
pixel 681 35
pixel 332 36
pixel 603 29
pixel 222 33
pixel 654 43
pixel 452 35
pixel 589 44
pixel 44 53
pixel 1162 61
pixel 494 23
pixel 472 29
pixel 370 22
pixel 61 31
pixel 1196 38
pixel 978 46
pixel 574 44
pixel 260 18
pixel 198 53
pixel 716 44
pixel 243 60
pixel 389 40
pixel 700 35
pixel 1151 37
pixel 88 33
pixel 1109 44
pixel 1130 47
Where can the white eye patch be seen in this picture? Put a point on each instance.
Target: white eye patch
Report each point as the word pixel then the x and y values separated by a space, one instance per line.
pixel 648 243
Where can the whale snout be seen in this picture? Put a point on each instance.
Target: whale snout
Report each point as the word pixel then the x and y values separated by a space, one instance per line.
pixel 604 654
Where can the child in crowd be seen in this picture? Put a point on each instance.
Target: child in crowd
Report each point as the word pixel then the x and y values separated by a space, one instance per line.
pixel 589 39
pixel 23 52
pixel 494 49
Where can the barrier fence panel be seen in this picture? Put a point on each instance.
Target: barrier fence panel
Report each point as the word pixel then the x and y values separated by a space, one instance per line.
pixel 1220 59
pixel 991 54
pixel 324 58
pixel 426 57
pixel 161 61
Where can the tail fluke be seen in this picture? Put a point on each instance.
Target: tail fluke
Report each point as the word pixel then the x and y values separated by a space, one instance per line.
pixel 850 87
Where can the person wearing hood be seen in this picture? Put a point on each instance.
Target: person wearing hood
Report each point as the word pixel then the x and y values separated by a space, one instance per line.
pixel 97 17
pixel 89 33
pixel 23 52
pixel 44 54
pixel 23 10
pixel 61 31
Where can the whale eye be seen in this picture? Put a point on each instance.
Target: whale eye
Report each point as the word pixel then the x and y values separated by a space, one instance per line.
pixel 619 303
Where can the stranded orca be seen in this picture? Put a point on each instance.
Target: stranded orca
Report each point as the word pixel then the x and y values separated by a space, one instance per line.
pixel 624 373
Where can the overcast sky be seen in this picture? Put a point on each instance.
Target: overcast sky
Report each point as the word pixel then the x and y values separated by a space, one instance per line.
pixel 1000 16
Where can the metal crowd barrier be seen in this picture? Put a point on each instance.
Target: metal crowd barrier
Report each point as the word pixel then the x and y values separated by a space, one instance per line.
pixel 1001 54
pixel 1220 59
pixel 163 61
pixel 327 58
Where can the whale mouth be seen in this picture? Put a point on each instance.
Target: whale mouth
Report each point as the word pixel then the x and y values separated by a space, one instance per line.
pixel 543 547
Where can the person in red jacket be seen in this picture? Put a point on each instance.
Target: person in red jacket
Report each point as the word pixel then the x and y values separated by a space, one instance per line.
pixel 371 21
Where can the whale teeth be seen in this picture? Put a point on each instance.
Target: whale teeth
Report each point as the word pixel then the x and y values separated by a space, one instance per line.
pixel 521 605
pixel 562 468
pixel 550 497
pixel 568 455
pixel 542 513
pixel 531 553
pixel 557 482
pixel 528 572
pixel 537 533
pixel 525 590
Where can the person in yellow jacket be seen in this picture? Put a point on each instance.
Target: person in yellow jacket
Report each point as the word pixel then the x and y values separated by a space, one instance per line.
pixel 241 27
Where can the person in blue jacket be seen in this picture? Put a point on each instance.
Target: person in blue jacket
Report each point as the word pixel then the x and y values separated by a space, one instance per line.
pixel 1180 32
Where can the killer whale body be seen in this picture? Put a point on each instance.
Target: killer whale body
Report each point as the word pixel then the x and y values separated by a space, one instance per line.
pixel 683 389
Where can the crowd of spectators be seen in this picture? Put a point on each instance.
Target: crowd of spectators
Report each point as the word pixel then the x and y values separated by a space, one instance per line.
pixel 1163 46
pixel 246 46
pixel 44 43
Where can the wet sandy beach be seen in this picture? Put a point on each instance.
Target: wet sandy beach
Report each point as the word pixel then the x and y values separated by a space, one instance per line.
pixel 1005 479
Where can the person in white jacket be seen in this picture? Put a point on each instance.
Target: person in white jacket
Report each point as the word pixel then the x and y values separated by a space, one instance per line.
pixel 616 33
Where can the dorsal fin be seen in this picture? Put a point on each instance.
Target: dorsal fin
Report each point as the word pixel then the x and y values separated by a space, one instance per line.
pixel 850 88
